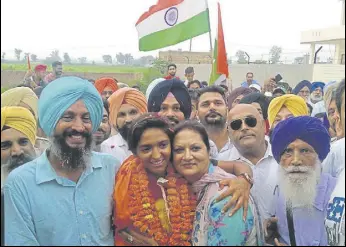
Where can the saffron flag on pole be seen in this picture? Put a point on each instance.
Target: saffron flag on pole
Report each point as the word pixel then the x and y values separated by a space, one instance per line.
pixel 220 65
pixel 170 22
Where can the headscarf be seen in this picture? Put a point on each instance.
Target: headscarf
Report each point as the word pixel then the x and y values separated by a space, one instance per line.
pixel 257 98
pixel 295 104
pixel 129 96
pixel 236 93
pixel 102 83
pixel 60 94
pixel 300 86
pixel 316 85
pixel 305 128
pixel 21 119
pixel 15 96
pixel 152 85
pixel 178 89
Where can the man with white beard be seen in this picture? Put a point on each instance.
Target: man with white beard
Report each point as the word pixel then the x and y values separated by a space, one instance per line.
pixel 300 145
pixel 317 92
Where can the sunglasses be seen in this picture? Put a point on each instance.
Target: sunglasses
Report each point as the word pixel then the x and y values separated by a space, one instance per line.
pixel 249 121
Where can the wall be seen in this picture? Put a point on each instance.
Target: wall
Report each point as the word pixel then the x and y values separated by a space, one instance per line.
pixel 321 35
pixel 292 73
pixel 14 78
pixel 328 72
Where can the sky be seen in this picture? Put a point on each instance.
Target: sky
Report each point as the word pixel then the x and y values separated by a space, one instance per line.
pixel 93 28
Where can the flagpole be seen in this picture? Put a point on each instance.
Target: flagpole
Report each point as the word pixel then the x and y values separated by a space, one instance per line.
pixel 210 38
pixel 190 45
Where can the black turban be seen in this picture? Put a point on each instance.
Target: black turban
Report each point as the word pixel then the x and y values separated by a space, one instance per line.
pixel 257 98
pixel 301 85
pixel 178 89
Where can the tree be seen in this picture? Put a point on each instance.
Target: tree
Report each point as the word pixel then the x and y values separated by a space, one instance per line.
pixel 82 60
pixel 54 56
pixel 18 52
pixel 26 55
pixel 275 54
pixel 67 58
pixel 107 59
pixel 160 65
pixel 3 56
pixel 120 58
pixel 298 60
pixel 128 59
pixel 33 57
pixel 241 57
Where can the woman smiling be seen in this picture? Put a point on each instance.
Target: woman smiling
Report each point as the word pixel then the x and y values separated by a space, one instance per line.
pixel 211 226
pixel 153 204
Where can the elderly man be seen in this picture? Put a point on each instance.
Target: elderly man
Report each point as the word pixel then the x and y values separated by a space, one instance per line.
pixel 126 105
pixel 247 131
pixel 18 135
pixel 104 131
pixel 284 107
pixel 300 145
pixel 317 92
pixel 171 99
pixel 64 197
pixel 20 96
pixel 212 111
pixel 106 87
pixel 303 89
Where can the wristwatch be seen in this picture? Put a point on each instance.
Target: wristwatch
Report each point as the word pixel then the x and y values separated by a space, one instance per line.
pixel 248 178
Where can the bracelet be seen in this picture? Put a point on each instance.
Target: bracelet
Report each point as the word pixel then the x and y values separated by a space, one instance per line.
pixel 247 178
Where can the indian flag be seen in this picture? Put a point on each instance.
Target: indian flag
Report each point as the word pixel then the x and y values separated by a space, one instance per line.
pixel 170 22
pixel 220 65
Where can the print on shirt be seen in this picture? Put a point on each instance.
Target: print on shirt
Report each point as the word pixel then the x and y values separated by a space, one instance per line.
pixel 335 218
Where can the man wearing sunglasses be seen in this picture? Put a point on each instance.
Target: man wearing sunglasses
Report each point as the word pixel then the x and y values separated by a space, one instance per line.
pixel 247 131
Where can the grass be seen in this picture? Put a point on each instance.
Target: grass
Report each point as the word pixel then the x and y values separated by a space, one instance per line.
pixel 81 68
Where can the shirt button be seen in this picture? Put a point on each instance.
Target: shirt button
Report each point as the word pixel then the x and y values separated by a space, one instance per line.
pixel 81 212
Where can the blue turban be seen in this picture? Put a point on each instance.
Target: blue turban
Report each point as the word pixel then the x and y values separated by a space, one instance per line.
pixel 316 85
pixel 178 89
pixel 301 85
pixel 308 129
pixel 60 94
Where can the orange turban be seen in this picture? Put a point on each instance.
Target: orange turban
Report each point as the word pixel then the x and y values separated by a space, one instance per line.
pixel 129 96
pixel 102 83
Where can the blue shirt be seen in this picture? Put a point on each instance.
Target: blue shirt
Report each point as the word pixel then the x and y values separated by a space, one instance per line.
pixel 42 208
pixel 245 84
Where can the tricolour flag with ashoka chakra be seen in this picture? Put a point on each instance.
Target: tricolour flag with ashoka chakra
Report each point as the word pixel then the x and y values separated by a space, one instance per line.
pixel 170 22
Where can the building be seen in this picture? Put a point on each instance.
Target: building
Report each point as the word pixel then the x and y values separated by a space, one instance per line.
pixel 186 57
pixel 331 36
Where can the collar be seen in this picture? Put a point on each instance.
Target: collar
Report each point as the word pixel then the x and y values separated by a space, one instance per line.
pixel 46 173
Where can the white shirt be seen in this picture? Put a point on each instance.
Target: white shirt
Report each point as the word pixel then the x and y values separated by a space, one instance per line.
pixel 117 147
pixel 335 161
pixel 224 153
pixel 335 221
pixel 265 179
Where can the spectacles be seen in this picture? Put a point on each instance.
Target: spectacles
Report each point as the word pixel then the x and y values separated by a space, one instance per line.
pixel 249 121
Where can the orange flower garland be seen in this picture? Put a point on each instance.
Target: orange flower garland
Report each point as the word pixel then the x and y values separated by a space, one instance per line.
pixel 181 205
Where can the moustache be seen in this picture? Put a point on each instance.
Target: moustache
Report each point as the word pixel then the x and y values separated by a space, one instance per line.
pixel 76 133
pixel 173 119
pixel 213 113
pixel 16 161
pixel 298 169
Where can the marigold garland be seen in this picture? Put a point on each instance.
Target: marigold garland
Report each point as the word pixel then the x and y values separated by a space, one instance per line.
pixel 181 204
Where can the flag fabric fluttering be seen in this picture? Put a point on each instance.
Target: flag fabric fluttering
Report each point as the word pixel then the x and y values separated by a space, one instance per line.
pixel 220 65
pixel 170 22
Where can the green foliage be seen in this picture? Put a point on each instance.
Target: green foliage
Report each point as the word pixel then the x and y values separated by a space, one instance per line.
pixel 4 89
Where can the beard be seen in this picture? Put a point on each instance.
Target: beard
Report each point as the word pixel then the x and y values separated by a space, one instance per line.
pixel 13 163
pixel 72 158
pixel 124 131
pixel 213 121
pixel 316 98
pixel 298 185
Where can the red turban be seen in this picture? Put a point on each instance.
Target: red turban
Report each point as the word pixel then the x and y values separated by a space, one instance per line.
pixel 102 83
pixel 41 67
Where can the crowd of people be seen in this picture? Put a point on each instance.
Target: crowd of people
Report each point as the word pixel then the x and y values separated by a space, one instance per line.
pixel 96 162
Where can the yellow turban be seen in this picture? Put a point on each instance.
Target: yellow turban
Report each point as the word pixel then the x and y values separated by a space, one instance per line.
pixel 16 96
pixel 21 119
pixel 129 96
pixel 295 104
